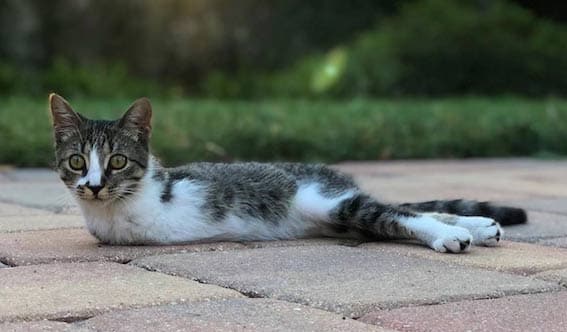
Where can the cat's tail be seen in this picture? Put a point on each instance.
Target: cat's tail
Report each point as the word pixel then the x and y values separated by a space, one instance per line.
pixel 503 214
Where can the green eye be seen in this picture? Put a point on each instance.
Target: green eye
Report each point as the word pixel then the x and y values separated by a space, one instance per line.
pixel 77 162
pixel 117 161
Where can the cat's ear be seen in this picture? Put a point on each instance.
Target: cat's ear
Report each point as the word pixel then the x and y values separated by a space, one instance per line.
pixel 65 120
pixel 138 117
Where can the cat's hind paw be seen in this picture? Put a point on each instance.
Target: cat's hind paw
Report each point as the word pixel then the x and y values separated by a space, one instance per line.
pixel 455 240
pixel 485 231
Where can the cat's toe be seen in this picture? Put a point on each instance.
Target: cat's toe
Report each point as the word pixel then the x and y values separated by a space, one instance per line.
pixel 485 231
pixel 456 240
pixel 487 236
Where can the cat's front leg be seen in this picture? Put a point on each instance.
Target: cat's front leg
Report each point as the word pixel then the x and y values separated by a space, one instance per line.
pixel 361 213
pixel 439 236
pixel 485 231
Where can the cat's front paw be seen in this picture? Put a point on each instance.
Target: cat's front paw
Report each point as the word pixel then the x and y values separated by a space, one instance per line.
pixel 453 240
pixel 485 231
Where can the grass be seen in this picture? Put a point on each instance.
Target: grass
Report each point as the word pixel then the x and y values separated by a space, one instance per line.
pixel 328 131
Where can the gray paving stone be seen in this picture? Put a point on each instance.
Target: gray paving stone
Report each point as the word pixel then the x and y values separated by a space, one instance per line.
pixel 77 245
pixel 229 315
pixel 52 196
pixel 65 291
pixel 350 281
pixel 540 225
pixel 40 222
pixel 421 188
pixel 535 312
pixel 560 242
pixel 31 175
pixel 452 166
pixel 552 204
pixel 7 210
pixel 559 276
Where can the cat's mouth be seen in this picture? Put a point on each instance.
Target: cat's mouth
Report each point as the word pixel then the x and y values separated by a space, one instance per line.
pixel 94 194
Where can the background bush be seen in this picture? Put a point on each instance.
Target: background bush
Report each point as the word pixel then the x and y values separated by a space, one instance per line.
pixel 282 48
pixel 431 48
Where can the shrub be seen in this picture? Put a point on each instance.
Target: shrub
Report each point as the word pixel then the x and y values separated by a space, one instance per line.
pixel 432 47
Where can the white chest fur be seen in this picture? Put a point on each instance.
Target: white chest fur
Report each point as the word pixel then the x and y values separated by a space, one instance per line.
pixel 143 218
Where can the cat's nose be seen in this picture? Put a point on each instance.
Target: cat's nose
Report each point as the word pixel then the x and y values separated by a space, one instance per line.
pixel 94 189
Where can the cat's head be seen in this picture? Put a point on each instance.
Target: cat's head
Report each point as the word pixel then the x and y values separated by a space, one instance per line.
pixel 101 160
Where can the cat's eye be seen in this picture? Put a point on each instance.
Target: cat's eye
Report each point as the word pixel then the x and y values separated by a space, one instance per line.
pixel 117 161
pixel 77 162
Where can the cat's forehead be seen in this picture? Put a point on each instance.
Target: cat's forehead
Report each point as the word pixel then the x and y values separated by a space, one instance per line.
pixel 98 131
pixel 103 135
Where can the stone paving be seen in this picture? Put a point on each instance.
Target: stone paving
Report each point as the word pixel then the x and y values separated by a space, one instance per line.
pixel 55 277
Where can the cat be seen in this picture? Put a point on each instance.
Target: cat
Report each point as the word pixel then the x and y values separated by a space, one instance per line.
pixel 128 198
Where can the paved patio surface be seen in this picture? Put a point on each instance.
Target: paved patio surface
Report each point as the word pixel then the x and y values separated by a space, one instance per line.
pixel 55 277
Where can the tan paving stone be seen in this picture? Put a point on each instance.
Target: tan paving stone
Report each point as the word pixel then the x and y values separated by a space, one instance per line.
pixel 519 258
pixel 229 315
pixel 7 209
pixel 77 245
pixel 40 326
pixel 40 222
pixel 346 280
pixel 63 291
pixel 535 312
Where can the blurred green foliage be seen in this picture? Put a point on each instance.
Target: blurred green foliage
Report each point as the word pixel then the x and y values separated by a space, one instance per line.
pixel 280 48
pixel 300 130
pixel 431 48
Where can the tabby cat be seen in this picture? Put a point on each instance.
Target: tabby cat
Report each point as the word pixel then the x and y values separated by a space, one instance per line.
pixel 127 197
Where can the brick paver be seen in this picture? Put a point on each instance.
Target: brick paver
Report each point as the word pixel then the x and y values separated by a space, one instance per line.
pixel 10 210
pixel 540 225
pixel 548 204
pixel 62 291
pixel 52 196
pixel 536 312
pixel 559 276
pixel 229 315
pixel 520 258
pixel 77 245
pixel 40 222
pixel 40 326
pixel 556 242
pixel 76 277
pixel 346 280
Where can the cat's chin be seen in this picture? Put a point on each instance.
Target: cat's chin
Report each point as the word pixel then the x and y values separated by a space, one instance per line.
pixel 97 200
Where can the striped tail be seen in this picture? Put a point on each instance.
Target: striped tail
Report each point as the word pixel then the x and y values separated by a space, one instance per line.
pixel 503 214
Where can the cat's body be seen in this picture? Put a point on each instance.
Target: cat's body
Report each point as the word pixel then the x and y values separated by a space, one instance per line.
pixel 128 198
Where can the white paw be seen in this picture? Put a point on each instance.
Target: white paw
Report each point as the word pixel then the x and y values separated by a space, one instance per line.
pixel 453 239
pixel 485 231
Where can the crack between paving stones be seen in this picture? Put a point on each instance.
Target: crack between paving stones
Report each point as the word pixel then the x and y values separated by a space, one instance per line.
pixel 71 319
pixel 250 294
pixel 6 262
